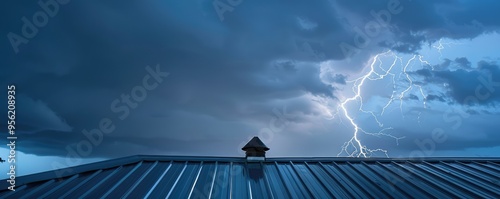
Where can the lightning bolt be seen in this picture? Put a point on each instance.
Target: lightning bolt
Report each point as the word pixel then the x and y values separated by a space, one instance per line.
pixel 354 147
pixel 361 150
pixel 403 84
pixel 440 46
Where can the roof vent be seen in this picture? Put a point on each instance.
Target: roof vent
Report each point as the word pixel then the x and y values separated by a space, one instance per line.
pixel 255 150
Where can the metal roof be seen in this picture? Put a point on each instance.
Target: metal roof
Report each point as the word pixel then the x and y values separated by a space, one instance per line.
pixel 218 177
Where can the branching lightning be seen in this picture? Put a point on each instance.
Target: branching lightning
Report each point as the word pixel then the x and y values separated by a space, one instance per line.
pixel 440 46
pixel 354 147
pixel 361 150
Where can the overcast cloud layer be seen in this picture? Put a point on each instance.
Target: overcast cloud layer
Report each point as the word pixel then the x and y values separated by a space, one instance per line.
pixel 279 65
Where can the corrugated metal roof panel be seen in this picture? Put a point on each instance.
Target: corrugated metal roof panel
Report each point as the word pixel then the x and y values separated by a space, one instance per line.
pixel 198 177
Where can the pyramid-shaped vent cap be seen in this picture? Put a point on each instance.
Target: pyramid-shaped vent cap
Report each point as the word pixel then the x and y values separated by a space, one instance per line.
pixel 255 143
pixel 255 148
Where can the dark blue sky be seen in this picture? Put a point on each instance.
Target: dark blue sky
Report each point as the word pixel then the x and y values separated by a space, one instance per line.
pixel 105 79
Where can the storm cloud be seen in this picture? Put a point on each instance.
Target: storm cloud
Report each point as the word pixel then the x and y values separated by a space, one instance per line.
pixel 226 77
